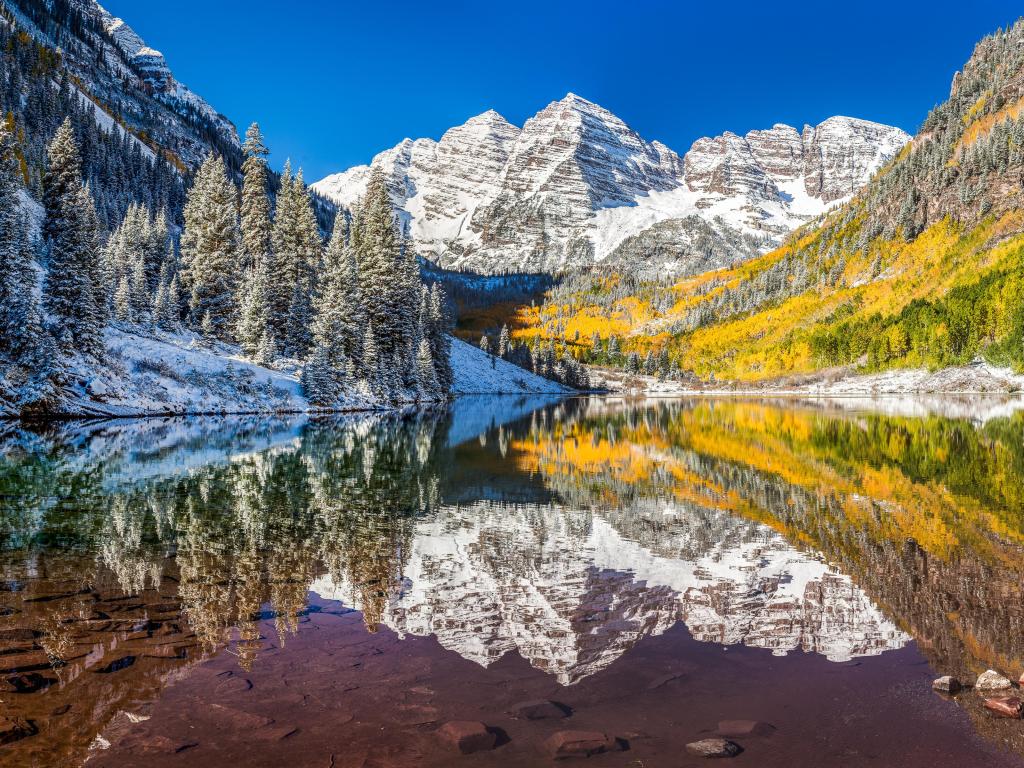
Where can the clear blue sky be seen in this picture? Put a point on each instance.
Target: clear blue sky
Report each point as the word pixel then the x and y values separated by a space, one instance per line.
pixel 334 82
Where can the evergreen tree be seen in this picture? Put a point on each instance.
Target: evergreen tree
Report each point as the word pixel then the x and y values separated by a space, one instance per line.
pixel 371 359
pixel 337 327
pixel 438 334
pixel 255 208
pixel 485 344
pixel 253 321
pixel 633 363
pixel 503 342
pixel 429 387
pixel 124 311
pixel 17 275
pixel 267 350
pixel 71 241
pixel 296 257
pixel 321 379
pixel 384 275
pixel 210 250
pixel 614 351
pixel 649 364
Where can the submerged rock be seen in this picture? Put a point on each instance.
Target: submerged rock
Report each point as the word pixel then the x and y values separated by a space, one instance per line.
pixel 467 736
pixel 14 728
pixel 579 744
pixel 946 684
pixel 1009 706
pixel 992 681
pixel 714 748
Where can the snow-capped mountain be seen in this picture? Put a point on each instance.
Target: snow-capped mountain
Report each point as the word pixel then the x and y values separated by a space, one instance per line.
pixel 129 83
pixel 571 592
pixel 577 186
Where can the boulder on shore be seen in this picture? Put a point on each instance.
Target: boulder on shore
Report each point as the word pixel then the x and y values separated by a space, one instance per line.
pixel 946 684
pixel 991 680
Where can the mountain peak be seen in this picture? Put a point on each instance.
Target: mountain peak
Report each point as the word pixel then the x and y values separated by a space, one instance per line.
pixel 575 182
pixel 488 118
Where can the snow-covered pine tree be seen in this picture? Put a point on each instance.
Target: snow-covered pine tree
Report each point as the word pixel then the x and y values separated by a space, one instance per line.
pixel 124 309
pixel 252 315
pixel 614 350
pixel 504 340
pixel 158 236
pixel 255 208
pixel 370 372
pixel 426 375
pixel 485 344
pixel 13 269
pixel 407 322
pixel 256 231
pixel 162 306
pixel 650 366
pixel 299 339
pixel 437 328
pixel 71 239
pixel 141 299
pixel 321 380
pixel 93 258
pixel 210 250
pixel 383 274
pixel 166 302
pixel 267 350
pixel 337 327
pixel 297 250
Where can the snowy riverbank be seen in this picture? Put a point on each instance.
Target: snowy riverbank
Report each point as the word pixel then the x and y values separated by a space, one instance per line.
pixel 162 374
pixel 977 378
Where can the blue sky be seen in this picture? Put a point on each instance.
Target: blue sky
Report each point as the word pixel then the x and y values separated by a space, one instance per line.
pixel 332 83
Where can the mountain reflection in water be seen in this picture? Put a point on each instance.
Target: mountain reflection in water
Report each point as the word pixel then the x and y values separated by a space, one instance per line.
pixel 565 534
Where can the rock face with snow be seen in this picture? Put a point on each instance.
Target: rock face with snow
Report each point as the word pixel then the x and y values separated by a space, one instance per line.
pixel 577 186
pixel 126 78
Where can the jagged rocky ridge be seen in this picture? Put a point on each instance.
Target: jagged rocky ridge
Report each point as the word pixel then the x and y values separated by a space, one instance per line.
pixel 577 186
pixel 129 83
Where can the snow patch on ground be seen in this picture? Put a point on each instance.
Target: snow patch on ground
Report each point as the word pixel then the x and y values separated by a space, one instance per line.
pixel 477 373
pixel 153 372
pixel 163 373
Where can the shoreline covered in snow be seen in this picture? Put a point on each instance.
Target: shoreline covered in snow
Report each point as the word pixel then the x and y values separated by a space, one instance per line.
pixel 162 374
pixel 977 378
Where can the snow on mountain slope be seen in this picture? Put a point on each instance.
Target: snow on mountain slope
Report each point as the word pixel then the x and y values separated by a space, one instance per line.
pixel 577 186
pixel 125 78
pixel 478 373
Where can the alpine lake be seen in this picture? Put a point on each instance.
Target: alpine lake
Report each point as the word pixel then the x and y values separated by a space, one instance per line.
pixel 513 580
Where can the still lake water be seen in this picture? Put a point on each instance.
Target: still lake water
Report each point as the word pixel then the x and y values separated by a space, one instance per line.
pixel 207 592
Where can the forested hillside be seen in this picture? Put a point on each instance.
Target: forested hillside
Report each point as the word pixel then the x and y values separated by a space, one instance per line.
pixel 922 268
pixel 114 248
